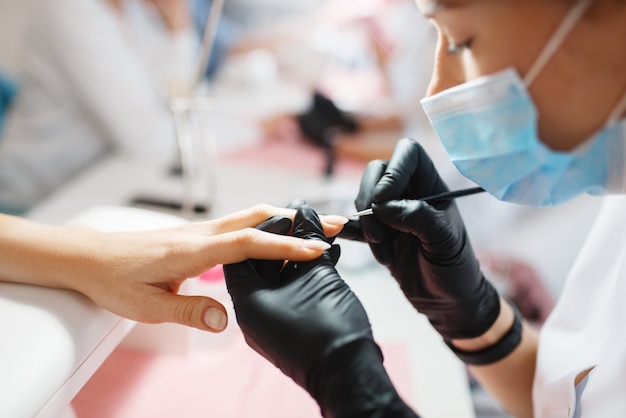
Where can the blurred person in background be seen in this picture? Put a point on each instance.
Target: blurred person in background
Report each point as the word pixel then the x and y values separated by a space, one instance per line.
pixel 93 78
pixel 357 108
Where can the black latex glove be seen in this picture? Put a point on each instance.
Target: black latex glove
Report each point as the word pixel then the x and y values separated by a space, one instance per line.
pixel 322 117
pixel 321 123
pixel 305 320
pixel 425 247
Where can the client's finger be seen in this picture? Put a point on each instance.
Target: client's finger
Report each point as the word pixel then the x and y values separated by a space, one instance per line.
pixel 251 217
pixel 248 243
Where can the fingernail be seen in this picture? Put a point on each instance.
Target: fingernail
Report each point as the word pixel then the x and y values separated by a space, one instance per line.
pixel 314 244
pixel 335 219
pixel 215 318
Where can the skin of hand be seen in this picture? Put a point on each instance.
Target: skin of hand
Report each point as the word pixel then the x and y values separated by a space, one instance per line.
pixel 304 319
pixel 138 274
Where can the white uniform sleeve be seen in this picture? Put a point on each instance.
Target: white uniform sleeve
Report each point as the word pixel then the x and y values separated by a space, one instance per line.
pixel 112 83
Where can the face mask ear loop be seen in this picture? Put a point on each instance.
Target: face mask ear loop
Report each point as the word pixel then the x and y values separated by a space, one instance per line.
pixel 561 32
pixel 617 112
pixel 616 183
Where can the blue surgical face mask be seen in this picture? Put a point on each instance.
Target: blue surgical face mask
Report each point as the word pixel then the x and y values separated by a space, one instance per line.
pixel 489 129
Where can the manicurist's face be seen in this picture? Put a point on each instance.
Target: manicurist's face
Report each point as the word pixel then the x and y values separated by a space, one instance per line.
pixel 579 86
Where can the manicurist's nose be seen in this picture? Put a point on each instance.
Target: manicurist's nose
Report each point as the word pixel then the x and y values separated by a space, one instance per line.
pixel 447 70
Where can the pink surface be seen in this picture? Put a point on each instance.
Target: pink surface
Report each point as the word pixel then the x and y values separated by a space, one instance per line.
pixel 216 274
pixel 228 382
pixel 298 156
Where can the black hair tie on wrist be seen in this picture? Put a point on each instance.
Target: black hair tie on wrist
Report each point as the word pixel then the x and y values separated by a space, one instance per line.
pixel 495 352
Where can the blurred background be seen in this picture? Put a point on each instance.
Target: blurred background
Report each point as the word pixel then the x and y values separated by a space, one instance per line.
pixel 111 102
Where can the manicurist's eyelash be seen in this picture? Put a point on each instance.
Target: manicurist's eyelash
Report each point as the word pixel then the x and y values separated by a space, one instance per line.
pixel 456 48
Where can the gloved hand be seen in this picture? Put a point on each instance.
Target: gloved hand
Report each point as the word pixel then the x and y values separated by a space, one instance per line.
pixel 305 320
pixel 425 247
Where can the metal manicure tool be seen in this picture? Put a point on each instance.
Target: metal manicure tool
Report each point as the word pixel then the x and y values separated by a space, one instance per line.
pixel 431 199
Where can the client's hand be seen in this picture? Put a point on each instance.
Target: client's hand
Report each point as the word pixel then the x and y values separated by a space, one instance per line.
pixel 138 274
pixel 304 319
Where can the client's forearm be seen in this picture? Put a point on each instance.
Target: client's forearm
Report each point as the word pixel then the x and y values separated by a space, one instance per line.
pixel 39 254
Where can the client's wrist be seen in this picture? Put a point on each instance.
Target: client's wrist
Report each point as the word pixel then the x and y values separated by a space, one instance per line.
pixel 496 343
pixel 353 383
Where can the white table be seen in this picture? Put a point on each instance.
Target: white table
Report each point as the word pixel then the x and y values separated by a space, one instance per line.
pixel 52 342
pixel 58 338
